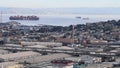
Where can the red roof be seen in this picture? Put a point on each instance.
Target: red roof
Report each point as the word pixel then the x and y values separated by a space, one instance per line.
pixel 64 62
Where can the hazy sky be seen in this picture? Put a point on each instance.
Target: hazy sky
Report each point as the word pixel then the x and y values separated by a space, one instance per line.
pixel 59 3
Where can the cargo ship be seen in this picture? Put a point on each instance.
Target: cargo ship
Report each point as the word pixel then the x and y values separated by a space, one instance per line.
pixel 23 18
pixel 86 18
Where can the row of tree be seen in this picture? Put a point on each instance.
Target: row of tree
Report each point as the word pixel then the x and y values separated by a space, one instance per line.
pixel 106 26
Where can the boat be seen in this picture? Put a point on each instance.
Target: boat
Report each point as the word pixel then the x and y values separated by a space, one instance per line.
pixel 23 18
pixel 78 17
pixel 85 18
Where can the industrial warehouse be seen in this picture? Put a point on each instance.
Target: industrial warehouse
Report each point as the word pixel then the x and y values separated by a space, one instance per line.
pixel 55 55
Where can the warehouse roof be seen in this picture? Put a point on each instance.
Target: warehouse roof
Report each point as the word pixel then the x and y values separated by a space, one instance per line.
pixel 64 48
pixel 13 45
pixel 17 55
pixel 102 65
pixel 1 50
pixel 8 63
pixel 46 58
pixel 37 46
pixel 4 51
pixel 41 43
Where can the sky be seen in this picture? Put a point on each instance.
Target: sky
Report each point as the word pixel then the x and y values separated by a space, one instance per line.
pixel 59 3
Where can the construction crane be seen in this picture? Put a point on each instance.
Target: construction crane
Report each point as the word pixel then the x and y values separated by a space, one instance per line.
pixel 1 17
pixel 73 32
pixel 1 22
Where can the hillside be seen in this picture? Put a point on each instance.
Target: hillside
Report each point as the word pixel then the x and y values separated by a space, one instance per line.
pixel 62 10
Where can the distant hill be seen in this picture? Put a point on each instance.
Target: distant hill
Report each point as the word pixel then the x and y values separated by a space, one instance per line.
pixel 62 10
